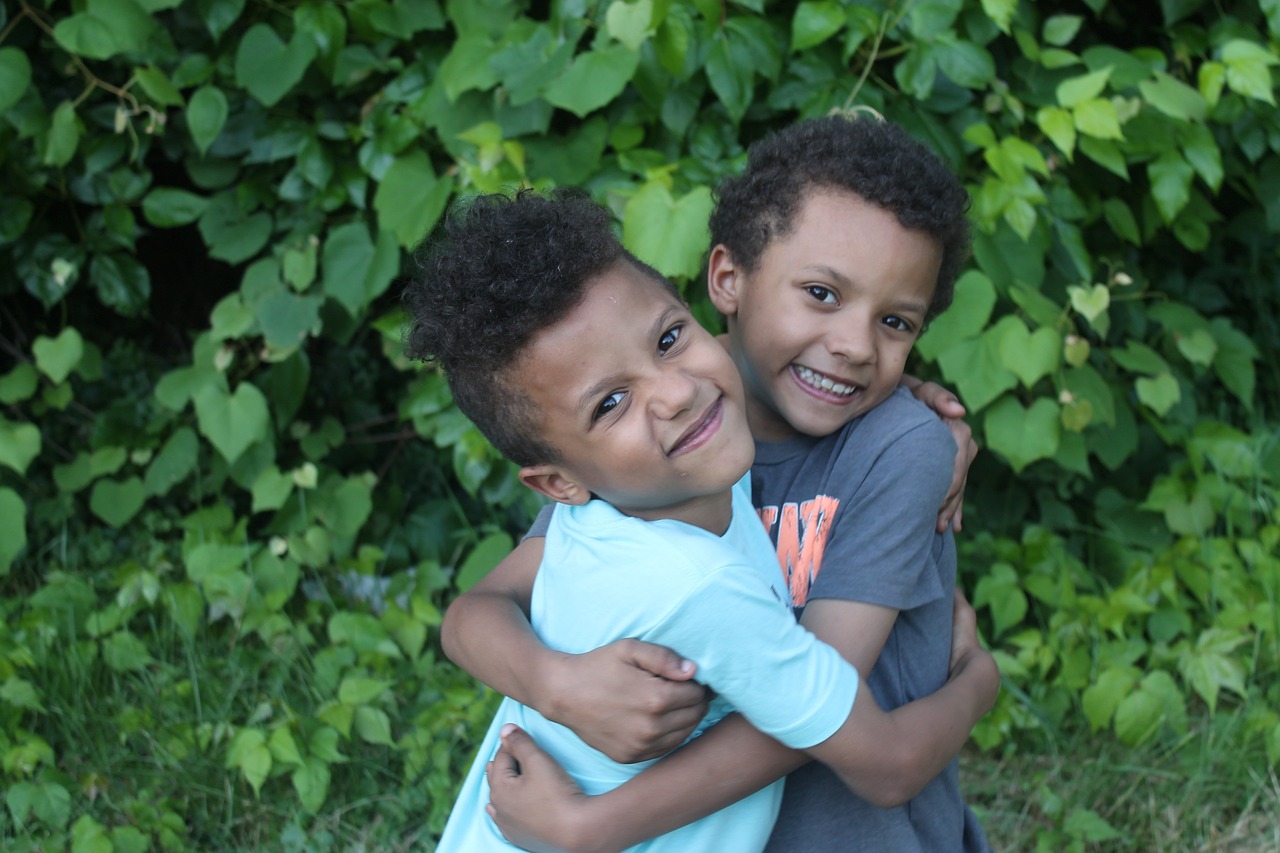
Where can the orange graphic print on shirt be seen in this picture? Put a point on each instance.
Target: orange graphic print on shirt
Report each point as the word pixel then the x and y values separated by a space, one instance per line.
pixel 800 532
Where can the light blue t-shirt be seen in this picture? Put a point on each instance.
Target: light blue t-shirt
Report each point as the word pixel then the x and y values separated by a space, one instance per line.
pixel 721 601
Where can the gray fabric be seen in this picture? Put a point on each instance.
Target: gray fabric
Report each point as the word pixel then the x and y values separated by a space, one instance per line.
pixel 888 471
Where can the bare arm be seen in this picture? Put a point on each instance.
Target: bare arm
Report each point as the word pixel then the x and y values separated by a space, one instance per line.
pixel 886 758
pixel 631 700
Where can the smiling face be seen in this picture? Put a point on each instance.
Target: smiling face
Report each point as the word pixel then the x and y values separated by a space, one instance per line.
pixel 644 407
pixel 821 329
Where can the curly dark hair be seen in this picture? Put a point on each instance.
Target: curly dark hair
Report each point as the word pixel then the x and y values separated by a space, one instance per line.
pixel 498 270
pixel 875 159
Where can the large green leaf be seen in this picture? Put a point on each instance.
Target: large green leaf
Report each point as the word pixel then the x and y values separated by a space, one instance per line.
pixel 57 357
pixel 116 502
pixel 669 234
pixel 232 422
pixel 15 76
pixel 206 116
pixel 267 67
pixel 409 200
pixel 1022 435
pixel 104 28
pixel 354 269
pixel 594 79
pixel 13 528
pixel 19 444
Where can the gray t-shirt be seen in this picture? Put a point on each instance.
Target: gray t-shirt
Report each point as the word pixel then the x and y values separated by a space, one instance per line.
pixel 852 515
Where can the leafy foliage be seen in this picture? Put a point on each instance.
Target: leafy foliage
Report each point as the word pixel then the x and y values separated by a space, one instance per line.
pixel 231 513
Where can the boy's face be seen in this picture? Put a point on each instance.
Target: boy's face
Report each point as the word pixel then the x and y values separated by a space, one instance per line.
pixel 644 406
pixel 822 328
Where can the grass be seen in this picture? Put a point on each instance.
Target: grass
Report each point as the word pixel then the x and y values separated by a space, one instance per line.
pixel 1212 791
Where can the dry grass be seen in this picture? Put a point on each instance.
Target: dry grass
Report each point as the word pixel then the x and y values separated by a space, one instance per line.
pixel 1209 792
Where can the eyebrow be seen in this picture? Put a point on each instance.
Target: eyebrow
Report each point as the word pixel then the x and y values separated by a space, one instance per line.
pixel 588 397
pixel 844 281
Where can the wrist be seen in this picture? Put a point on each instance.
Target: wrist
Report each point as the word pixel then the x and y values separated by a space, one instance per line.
pixel 550 692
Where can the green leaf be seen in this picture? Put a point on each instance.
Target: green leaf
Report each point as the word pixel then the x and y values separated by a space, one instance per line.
pixel 594 79
pixel 19 444
pixel 1022 435
pixel 1121 220
pixel 231 234
pixel 487 554
pixel 13 528
pixel 311 781
pixel 630 23
pixel 63 137
pixel 124 652
pixel 116 502
pixel 122 282
pixel 965 63
pixel 1000 12
pixel 271 488
pixel 1202 152
pixel 1101 698
pixel 15 76
pixel 1059 30
pixel 206 116
pixel 105 28
pixel 167 207
pixel 1075 91
pixel 917 71
pixel 1160 394
pixel 1170 184
pixel 286 318
pixel 975 298
pixel 50 802
pixel 1059 125
pixel 1097 118
pixel 1155 703
pixel 1090 302
pixel 1027 355
pixel 409 200
pixel 1000 591
pixel 158 87
pixel 356 690
pixel 468 66
pixel 1174 98
pixel 374 726
pixel 975 367
pixel 248 752
pixel 284 749
pixel 669 234
pixel 57 357
pixel 1234 362
pixel 267 67
pixel 1105 154
pixel 1087 825
pixel 815 21
pixel 232 422
pixel 1249 69
pixel 730 80
pixel 1198 347
pixel 355 270
pixel 174 463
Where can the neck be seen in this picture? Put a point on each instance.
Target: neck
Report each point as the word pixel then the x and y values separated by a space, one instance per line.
pixel 710 512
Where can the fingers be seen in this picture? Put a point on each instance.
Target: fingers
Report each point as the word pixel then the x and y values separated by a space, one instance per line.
pixel 942 401
pixel 659 660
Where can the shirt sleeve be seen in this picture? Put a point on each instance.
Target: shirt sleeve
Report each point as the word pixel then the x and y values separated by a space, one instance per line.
pixel 750 650
pixel 538 529
pixel 883 547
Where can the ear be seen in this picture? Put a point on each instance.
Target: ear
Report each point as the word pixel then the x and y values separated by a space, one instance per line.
pixel 554 483
pixel 723 279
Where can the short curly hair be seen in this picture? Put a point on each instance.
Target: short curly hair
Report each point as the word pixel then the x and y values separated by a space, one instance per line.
pixel 872 158
pixel 499 269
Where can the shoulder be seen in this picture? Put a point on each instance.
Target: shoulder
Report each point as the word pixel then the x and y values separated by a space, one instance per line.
pixel 901 417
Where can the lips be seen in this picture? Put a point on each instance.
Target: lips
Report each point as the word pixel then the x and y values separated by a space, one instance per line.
pixel 700 432
pixel 822 385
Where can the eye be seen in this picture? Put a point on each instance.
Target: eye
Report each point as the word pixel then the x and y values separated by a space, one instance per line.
pixel 669 338
pixel 608 405
pixel 823 294
pixel 895 322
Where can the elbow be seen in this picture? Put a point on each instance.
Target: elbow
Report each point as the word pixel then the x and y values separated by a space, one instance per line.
pixel 448 633
pixel 899 779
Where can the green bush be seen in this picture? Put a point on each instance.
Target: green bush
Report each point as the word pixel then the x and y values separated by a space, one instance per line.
pixel 231 513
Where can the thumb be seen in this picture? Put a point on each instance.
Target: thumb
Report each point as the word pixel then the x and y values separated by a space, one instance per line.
pixel 661 661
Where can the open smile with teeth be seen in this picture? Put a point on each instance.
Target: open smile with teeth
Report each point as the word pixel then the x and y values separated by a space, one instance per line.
pixel 817 380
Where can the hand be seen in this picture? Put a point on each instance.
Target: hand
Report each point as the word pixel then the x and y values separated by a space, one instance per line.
pixel 952 510
pixel 532 798
pixel 631 700
pixel 967 652
pixel 951 410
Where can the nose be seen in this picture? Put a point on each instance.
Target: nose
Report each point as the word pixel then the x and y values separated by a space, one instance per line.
pixel 852 341
pixel 673 393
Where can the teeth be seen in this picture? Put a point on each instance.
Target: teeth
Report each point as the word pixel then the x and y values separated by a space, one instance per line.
pixel 824 383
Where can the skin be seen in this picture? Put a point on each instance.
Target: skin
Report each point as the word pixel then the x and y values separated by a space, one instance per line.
pixel 643 406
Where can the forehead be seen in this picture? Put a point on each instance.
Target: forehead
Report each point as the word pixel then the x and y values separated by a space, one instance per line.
pixel 612 327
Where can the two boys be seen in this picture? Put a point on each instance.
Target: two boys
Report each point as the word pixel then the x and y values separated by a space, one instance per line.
pixel 583 366
pixel 832 250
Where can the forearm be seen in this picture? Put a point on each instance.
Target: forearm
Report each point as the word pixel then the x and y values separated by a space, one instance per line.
pixel 489 636
pixel 729 762
pixel 895 755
